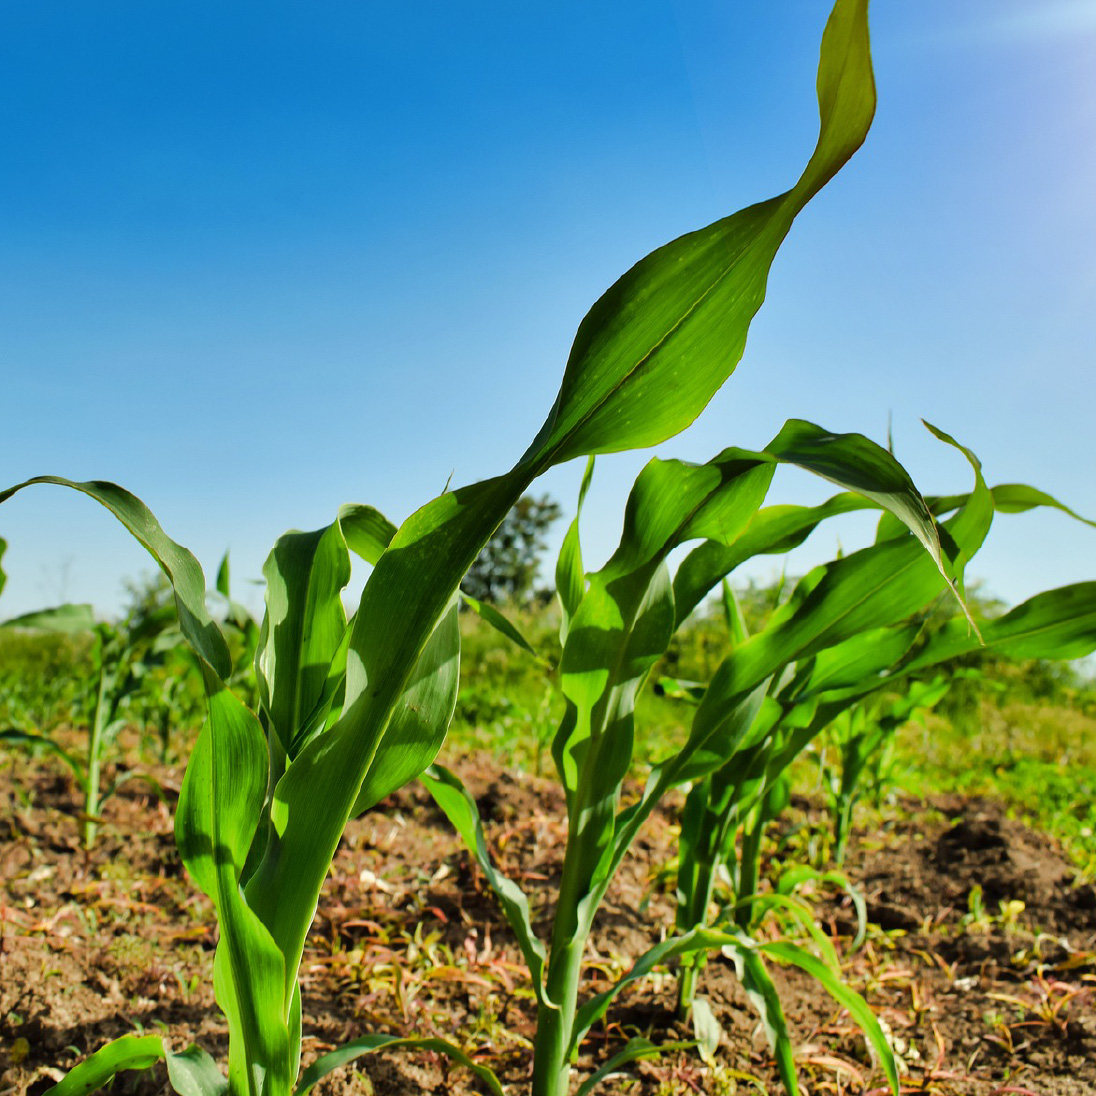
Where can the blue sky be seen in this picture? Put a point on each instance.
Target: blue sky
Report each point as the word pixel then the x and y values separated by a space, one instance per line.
pixel 263 259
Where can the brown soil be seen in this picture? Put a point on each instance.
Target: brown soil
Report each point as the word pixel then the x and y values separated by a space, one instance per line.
pixel 408 940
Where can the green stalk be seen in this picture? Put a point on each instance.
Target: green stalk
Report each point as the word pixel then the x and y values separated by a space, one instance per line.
pixel 749 868
pixel 90 827
pixel 697 913
pixel 556 1012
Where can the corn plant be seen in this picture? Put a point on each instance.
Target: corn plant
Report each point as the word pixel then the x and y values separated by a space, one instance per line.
pixel 880 643
pixel 122 656
pixel 350 709
pixel 861 740
pixel 617 623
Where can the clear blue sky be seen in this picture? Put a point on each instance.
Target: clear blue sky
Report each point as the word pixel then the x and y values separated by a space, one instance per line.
pixel 260 259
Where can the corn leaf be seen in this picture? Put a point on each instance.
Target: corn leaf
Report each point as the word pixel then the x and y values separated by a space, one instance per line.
pixel 421 718
pixel 193 1072
pixel 62 619
pixel 1057 623
pixel 460 808
pixel 40 741
pixel 95 1071
pixel 635 1050
pixel 369 1043
pixel 762 994
pixel 657 346
pixel 220 805
pixel 304 625
pixel 501 623
pixel 181 568
pixel 857 1007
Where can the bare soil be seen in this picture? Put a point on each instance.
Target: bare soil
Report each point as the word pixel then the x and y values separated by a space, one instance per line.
pixel 981 1001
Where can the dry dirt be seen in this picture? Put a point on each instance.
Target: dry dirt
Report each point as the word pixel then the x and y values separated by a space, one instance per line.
pixel 408 941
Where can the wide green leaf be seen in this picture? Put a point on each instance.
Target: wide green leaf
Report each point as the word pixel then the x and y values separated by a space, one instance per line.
pixel 657 346
pixel 417 728
pixel 193 1072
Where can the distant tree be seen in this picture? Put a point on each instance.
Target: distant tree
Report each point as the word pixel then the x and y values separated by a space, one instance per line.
pixel 506 569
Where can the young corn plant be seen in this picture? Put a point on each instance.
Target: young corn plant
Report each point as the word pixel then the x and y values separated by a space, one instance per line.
pixel 616 624
pixel 350 709
pixel 122 656
pixel 862 740
pixel 862 619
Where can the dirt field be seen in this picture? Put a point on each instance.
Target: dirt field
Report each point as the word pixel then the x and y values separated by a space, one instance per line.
pixel 408 941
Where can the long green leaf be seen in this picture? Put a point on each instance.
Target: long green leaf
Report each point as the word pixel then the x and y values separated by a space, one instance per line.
pixel 369 1043
pixel 762 993
pixel 41 742
pixel 98 1069
pixel 635 1050
pixel 181 568
pixel 419 723
pixel 634 376
pixel 849 999
pixel 459 807
pixel 501 623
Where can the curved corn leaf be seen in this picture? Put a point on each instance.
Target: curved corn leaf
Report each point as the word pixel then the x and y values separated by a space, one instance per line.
pixel 3 576
pixel 181 568
pixel 762 994
pixel 676 946
pixel 368 1043
pixel 460 808
pixel 856 463
pixel 849 999
pixel 1016 498
pixel 635 1050
pixel 40 741
pixel 502 624
pixel 367 531
pixel 1008 498
pixel 418 725
pixel 1057 623
pixel 789 880
pixel 634 377
pixel 97 1070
